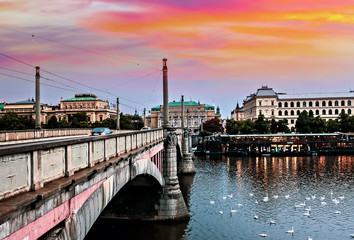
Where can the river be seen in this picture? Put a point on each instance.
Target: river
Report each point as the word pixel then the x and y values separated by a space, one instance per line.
pixel 258 190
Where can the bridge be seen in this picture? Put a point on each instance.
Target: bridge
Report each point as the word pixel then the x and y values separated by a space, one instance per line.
pixel 58 189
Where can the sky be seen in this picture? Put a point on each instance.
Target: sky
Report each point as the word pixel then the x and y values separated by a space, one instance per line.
pixel 218 51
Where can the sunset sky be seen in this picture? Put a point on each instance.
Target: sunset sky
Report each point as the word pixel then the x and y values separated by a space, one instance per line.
pixel 218 51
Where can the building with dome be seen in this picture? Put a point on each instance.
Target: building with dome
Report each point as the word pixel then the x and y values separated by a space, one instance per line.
pixel 197 114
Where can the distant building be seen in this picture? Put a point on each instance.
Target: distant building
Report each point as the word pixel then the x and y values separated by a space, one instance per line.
pixel 198 113
pixel 289 106
pixel 238 113
pixel 96 109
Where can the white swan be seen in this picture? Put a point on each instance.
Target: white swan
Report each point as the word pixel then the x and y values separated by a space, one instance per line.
pixel 272 222
pixel 309 238
pixel 341 197
pixel 307 214
pixel 233 210
pixel 322 198
pixel 251 194
pixel 323 203
pixel 262 235
pixel 291 231
pixel 307 199
pixel 287 196
pixel 256 202
pixel 313 196
pixel 230 196
pixel 240 205
pixel 337 212
pixel 336 201
pixel 265 199
pixel 275 196
pixel 224 198
pixel 221 212
pixel 308 209
pixel 212 202
pixel 255 217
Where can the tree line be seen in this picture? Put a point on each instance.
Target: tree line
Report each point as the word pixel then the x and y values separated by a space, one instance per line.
pixel 306 123
pixel 11 121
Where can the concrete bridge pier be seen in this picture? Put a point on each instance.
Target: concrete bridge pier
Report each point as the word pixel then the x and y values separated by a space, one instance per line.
pixel 186 166
pixel 171 206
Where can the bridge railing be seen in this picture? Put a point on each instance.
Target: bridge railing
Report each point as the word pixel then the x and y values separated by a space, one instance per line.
pixel 29 166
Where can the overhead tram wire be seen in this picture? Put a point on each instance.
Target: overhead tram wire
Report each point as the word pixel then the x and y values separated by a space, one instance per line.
pixel 33 36
pixel 30 74
pixel 67 79
pixel 33 81
pixel 49 85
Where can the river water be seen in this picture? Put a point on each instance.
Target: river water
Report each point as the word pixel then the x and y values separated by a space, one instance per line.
pixel 257 187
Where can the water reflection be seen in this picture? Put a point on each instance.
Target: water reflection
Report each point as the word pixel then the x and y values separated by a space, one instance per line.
pixel 283 181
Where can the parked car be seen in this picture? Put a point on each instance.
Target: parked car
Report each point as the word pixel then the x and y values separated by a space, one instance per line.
pixel 100 131
pixel 146 128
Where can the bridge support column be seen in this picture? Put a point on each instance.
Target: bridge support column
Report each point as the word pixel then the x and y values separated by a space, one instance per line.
pixel 186 165
pixel 171 206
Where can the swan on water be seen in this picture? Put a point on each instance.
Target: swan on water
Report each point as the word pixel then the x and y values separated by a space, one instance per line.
pixel 323 203
pixel 240 205
pixel 212 202
pixel 309 238
pixel 337 212
pixel 221 212
pixel 233 210
pixel 262 235
pixel 308 209
pixel 251 194
pixel 291 231
pixel 287 196
pixel 307 214
pixel 255 217
pixel 275 197
pixel 272 222
pixel 341 197
pixel 224 198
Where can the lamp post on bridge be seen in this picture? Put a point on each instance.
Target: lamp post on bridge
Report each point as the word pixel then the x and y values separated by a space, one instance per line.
pixel 118 116
pixel 38 100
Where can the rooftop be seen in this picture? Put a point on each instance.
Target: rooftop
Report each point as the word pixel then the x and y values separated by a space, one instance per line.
pixel 82 97
pixel 186 103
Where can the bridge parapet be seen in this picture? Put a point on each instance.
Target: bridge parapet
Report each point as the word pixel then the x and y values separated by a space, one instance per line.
pixel 30 166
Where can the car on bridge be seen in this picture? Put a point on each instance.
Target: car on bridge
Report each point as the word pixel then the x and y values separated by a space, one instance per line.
pixel 100 131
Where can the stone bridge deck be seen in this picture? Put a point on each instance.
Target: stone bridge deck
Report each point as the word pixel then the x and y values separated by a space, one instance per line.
pixel 43 183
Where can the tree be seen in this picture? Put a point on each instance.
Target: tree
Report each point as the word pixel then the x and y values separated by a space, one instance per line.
pixel 344 122
pixel 332 126
pixel 109 123
pixel 262 125
pixel 303 123
pixel 63 124
pixel 213 125
pixel 247 127
pixel 11 121
pixel 130 122
pixel 273 126
pixel 318 125
pixel 232 126
pixel 283 126
pixel 52 122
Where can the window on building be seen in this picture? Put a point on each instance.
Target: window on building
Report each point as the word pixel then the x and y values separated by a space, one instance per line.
pixel 101 118
pixel 310 104
pixel 330 112
pixel 292 113
pixel 279 104
pixel 336 112
pixel 260 103
pixel 298 112
pixel 272 112
pixel 336 103
pixel 280 113
pixel 317 112
pixel 89 118
pixel 349 103
pixel 286 113
pixel 317 103
pixel 323 112
pixel 330 103
pixel 286 104
pixel 310 113
pixel 292 104
pixel 297 104
pixel 272 103
pixel 260 112
pixel 292 121
pixel 343 111
pixel 349 111
pixel 323 103
pixel 342 103
pixel 303 104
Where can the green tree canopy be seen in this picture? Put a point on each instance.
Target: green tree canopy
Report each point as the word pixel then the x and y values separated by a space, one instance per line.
pixel 213 125
pixel 303 123
pixel 262 125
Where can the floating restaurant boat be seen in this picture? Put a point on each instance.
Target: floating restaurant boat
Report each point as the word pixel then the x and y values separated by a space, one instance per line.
pixel 283 144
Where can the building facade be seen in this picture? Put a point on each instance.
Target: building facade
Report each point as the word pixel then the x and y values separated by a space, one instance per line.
pixel 280 106
pixel 238 113
pixel 194 114
pixel 96 109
